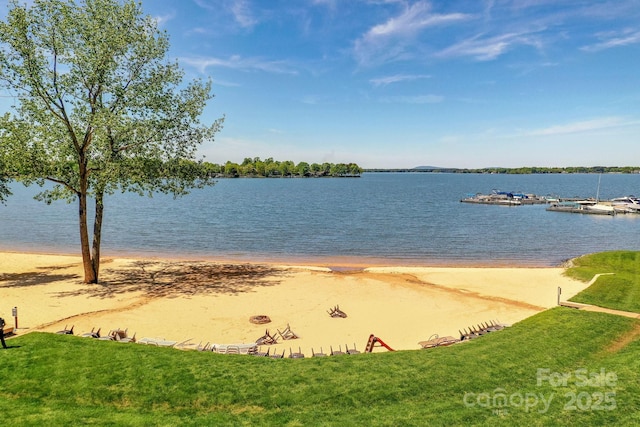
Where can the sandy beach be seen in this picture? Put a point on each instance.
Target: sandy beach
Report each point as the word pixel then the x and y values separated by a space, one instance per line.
pixel 212 302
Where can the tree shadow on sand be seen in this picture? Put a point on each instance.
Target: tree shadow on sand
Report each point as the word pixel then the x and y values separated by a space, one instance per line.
pixel 177 279
pixel 34 278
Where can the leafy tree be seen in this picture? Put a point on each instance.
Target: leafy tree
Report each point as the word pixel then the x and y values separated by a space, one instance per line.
pixel 100 109
pixel 303 169
pixel 271 167
pixel 259 167
pixel 4 183
pixel 339 169
pixel 231 169
pixel 354 169
pixel 286 168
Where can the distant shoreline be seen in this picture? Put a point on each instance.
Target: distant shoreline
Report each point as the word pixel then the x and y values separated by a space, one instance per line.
pixel 629 170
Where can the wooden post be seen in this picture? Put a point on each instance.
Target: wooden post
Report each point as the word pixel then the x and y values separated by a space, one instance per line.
pixel 559 293
pixel 14 312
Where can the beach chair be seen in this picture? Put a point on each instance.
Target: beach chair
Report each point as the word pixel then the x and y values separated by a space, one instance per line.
pixel 465 335
pixel 109 337
pixel 233 349
pixel 438 341
pixel 119 334
pixel 335 312
pixel 298 355
pixel 314 354
pixel 126 338
pixel 500 325
pixel 66 331
pixel 490 327
pixel 351 350
pixel 261 353
pixel 250 349
pixel 203 347
pixel 158 342
pixel 336 352
pixel 188 345
pixel 287 334
pixel 217 348
pixel 277 356
pixel 267 339
pixel 92 334
pixel 479 331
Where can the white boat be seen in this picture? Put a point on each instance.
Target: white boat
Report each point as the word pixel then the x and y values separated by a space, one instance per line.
pixel 600 208
pixel 583 207
pixel 627 204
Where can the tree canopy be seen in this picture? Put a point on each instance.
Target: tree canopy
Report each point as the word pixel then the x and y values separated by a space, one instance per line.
pixel 99 107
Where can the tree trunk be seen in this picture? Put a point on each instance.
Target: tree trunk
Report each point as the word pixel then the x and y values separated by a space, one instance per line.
pixel 97 234
pixel 90 275
pixel 89 272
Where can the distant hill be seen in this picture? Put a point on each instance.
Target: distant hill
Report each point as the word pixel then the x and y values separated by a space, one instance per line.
pixel 428 167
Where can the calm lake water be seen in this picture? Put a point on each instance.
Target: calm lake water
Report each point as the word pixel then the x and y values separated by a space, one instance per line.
pixel 380 218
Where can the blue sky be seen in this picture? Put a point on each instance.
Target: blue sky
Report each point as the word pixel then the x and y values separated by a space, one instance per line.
pixel 399 83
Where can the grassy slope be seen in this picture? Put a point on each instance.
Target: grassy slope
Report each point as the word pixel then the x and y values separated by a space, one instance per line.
pixel 620 290
pixel 49 379
pixel 62 380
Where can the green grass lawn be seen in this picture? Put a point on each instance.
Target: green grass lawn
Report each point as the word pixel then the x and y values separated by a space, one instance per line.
pixel 621 290
pixel 533 373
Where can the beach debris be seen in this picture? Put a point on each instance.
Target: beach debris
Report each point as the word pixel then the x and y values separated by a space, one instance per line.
pixel 336 312
pixel 260 319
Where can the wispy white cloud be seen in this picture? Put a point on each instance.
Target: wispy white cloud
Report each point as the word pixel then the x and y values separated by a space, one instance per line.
pixel 163 19
pixel 242 13
pixel 239 9
pixel 489 48
pixel 388 40
pixel 415 99
pixel 383 81
pixel 611 40
pixel 583 126
pixel 239 63
pixel 225 83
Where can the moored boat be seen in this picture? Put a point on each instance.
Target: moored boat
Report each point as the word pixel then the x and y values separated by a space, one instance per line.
pixel 627 204
pixel 582 207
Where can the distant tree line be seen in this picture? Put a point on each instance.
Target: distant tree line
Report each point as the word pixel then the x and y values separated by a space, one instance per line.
pixel 200 171
pixel 521 170
pixel 270 168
